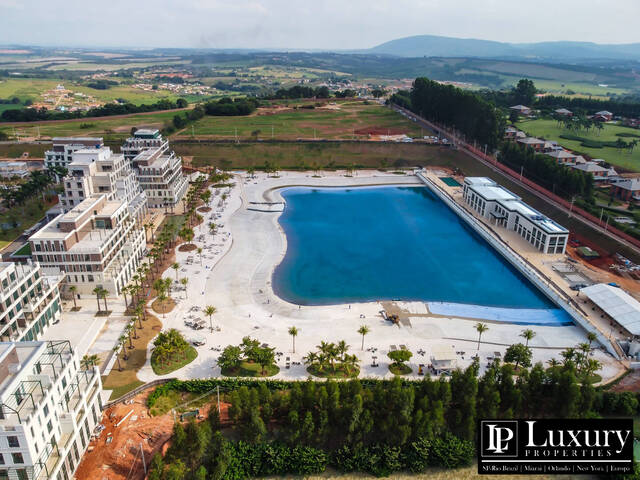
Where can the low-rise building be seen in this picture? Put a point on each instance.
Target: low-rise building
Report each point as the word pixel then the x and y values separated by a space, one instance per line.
pixel 29 300
pixel 563 156
pixel 49 408
pixel 506 209
pixel 158 168
pixel 14 169
pixel 600 174
pixel 99 171
pixel 61 153
pixel 96 243
pixel 564 112
pixel 521 109
pixel 532 142
pixel 627 190
pixel 603 115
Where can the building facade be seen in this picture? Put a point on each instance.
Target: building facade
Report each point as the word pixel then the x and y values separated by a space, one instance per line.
pixel 49 408
pixel 29 300
pixel 61 154
pixel 96 243
pixel 506 209
pixel 158 168
pixel 98 171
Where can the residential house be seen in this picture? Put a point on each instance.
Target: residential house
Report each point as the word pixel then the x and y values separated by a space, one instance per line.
pixel 564 112
pixel 521 109
pixel 532 142
pixel 563 156
pixel 627 190
pixel 600 174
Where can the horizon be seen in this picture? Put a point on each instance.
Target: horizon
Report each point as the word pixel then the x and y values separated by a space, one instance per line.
pixel 302 26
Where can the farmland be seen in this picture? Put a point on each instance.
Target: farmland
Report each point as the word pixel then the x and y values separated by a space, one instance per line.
pixel 342 120
pixel 550 130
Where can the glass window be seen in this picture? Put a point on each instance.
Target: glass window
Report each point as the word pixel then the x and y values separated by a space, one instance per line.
pixel 13 442
pixel 17 457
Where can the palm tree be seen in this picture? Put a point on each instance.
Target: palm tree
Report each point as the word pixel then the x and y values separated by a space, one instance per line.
pixel 528 334
pixel 209 310
pixel 591 337
pixel 123 344
pixel 363 330
pixel 128 329
pixel 553 363
pixel 293 331
pixel 116 351
pixel 212 228
pixel 89 361
pixel 138 311
pixel 125 289
pixel 200 253
pixel 162 296
pixel 73 289
pixel 98 291
pixel 184 282
pixel 103 295
pixel 481 328
pixel 175 266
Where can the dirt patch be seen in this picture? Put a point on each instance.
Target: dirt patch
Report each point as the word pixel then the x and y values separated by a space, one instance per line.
pixel 380 131
pixel 120 459
pixel 629 383
pixel 187 247
pixel 126 128
pixel 204 209
pixel 163 307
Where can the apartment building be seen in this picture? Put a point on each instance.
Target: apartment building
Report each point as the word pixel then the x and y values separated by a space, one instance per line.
pixel 49 408
pixel 63 148
pixel 99 171
pixel 29 300
pixel 158 168
pixel 506 209
pixel 96 243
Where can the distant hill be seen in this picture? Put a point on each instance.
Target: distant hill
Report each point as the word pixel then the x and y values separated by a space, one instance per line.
pixel 436 46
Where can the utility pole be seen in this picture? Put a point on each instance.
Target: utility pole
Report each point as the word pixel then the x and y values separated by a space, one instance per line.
pixel 601 213
pixel 218 392
pixel 521 170
pixel 606 224
pixel 573 199
pixel 144 465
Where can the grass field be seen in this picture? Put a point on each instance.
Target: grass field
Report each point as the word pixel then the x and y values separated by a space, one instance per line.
pixel 550 130
pixel 307 156
pixel 347 121
pixel 103 126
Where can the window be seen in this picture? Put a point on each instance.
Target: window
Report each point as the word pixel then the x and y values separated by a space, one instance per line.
pixel 17 457
pixel 46 410
pixel 4 475
pixel 22 474
pixel 49 426
pixel 13 442
pixel 1 459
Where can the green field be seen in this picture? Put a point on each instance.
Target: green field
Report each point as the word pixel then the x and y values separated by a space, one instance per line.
pixel 349 120
pixel 550 130
pixel 103 126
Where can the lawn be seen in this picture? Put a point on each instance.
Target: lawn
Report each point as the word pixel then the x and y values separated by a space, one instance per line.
pixel 247 369
pixel 126 380
pixel 23 217
pixel 327 373
pixel 402 369
pixel 550 130
pixel 351 120
pixel 177 363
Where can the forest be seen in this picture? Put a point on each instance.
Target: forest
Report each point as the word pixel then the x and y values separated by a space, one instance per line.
pixel 373 426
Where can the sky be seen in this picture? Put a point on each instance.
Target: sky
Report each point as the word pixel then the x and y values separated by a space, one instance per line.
pixel 309 24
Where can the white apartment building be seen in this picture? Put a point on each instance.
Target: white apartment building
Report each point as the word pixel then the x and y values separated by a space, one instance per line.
pixel 29 300
pixel 159 169
pixel 96 243
pixel 100 171
pixel 61 153
pixel 507 210
pixel 48 409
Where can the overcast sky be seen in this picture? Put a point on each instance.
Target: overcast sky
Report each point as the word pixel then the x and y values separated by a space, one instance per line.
pixel 317 24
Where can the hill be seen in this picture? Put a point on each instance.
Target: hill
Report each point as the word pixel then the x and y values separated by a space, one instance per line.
pixel 437 46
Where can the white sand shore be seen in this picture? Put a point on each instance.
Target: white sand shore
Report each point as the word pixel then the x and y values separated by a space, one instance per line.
pixel 235 277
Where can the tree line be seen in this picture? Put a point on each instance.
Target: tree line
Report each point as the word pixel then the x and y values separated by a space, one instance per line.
pixel 374 426
pixel 464 111
pixel 109 109
pixel 589 105
pixel 546 171
pixel 227 106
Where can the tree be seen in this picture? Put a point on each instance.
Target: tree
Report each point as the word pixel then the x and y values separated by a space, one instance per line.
pixel 176 266
pixel 528 334
pixel 116 352
pixel 230 358
pixel 73 289
pixel 513 116
pixel 399 357
pixel 89 361
pixel 481 328
pixel 363 330
pixel 98 292
pixel 209 311
pixel 293 331
pixel 184 282
pixel 103 294
pixel 520 354
pixel 524 92
pixel 265 357
pixel 200 254
pixel 591 336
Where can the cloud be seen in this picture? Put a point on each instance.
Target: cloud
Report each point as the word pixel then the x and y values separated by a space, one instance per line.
pixel 319 24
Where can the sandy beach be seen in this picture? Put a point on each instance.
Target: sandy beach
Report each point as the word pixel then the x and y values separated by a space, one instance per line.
pixel 235 277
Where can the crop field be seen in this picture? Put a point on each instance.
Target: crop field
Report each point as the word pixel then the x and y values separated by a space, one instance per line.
pixel 550 130
pixel 345 120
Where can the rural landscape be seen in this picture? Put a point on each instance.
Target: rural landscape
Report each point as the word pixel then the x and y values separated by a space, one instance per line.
pixel 237 246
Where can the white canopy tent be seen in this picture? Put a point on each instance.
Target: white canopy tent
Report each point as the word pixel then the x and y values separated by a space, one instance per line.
pixel 616 303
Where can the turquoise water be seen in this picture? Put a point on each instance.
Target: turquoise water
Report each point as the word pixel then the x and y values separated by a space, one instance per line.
pixel 384 243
